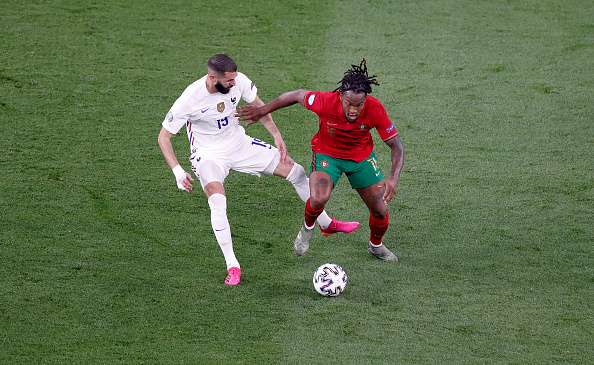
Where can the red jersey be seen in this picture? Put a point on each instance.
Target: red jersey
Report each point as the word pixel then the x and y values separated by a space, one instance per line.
pixel 340 138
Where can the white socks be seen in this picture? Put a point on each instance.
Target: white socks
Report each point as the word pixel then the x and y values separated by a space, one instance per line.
pixel 221 229
pixel 300 182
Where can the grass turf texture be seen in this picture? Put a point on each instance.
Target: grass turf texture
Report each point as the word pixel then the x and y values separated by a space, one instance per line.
pixel 104 261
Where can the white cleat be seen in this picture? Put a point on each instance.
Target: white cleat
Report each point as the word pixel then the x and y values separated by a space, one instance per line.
pixel 301 243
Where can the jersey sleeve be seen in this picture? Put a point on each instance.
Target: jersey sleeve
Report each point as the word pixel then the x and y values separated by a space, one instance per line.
pixel 249 91
pixel 175 119
pixel 385 127
pixel 314 101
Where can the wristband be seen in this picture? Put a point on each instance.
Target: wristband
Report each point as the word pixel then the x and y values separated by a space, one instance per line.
pixel 179 172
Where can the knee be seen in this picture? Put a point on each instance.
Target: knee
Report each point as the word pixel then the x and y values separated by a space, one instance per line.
pixel 319 197
pixel 316 202
pixel 379 210
pixel 214 188
pixel 320 186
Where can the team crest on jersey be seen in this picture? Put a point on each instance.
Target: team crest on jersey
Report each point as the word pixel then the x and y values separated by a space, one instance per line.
pixel 221 106
pixel 324 163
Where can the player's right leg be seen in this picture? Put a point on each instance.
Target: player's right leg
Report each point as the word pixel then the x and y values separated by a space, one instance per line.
pixel 320 184
pixel 212 173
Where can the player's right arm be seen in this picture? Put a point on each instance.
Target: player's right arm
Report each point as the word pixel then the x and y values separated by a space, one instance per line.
pixel 252 112
pixel 183 179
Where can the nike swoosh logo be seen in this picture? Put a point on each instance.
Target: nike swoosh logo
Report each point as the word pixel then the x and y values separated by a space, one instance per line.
pixel 203 110
pixel 218 230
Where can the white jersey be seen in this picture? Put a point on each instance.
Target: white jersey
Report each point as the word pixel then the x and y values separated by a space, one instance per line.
pixel 210 118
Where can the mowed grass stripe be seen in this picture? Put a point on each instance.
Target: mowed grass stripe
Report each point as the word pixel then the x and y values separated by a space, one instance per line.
pixel 478 214
pixel 121 266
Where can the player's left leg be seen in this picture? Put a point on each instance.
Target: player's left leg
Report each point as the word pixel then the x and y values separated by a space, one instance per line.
pixel 321 185
pixel 367 179
pixel 379 220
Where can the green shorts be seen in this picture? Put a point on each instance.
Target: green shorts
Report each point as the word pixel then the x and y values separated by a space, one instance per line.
pixel 360 174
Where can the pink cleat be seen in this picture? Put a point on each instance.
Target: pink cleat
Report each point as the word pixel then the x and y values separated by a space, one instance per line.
pixel 233 276
pixel 339 226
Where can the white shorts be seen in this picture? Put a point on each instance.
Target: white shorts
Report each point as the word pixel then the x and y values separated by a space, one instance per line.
pixel 252 156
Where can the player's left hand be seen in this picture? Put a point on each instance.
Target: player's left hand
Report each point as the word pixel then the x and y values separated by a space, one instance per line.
pixel 390 191
pixel 282 148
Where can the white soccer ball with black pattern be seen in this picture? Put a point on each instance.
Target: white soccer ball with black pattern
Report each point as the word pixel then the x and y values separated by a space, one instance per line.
pixel 330 280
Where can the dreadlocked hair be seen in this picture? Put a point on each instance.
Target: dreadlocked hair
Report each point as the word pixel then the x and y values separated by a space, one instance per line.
pixel 357 79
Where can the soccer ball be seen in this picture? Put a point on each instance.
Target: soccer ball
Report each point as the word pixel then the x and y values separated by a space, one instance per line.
pixel 330 280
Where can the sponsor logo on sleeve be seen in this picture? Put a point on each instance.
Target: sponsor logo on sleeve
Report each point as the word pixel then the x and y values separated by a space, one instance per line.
pixel 233 99
pixel 169 117
pixel 251 87
pixel 390 129
pixel 311 99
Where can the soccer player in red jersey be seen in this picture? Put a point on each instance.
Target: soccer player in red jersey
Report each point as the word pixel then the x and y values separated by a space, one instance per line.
pixel 343 144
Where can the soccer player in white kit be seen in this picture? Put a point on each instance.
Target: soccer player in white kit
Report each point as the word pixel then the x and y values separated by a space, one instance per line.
pixel 218 143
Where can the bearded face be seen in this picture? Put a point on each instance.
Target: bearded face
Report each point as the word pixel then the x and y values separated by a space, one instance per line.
pixel 222 81
pixel 221 88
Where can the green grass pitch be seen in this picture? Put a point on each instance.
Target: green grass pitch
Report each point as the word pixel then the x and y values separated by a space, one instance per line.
pixel 104 261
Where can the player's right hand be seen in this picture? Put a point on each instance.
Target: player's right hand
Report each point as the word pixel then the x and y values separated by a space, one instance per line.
pixel 250 112
pixel 183 179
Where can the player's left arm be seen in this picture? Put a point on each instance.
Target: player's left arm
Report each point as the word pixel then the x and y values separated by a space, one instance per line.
pixel 397 153
pixel 271 127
